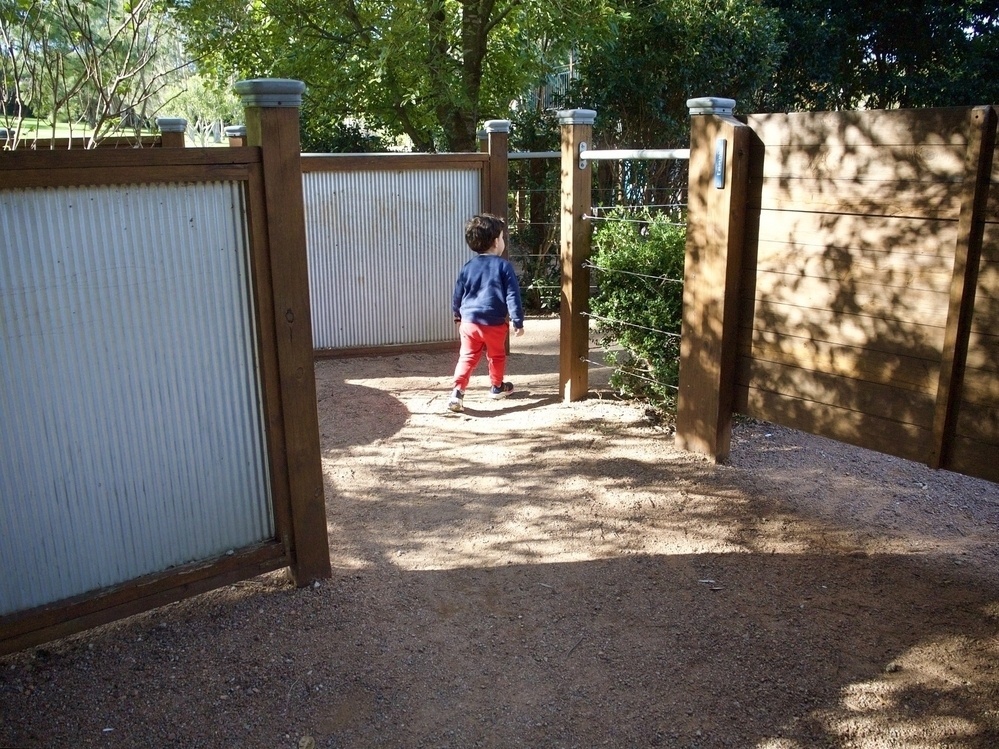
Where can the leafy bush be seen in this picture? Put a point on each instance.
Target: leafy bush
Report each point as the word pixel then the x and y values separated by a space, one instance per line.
pixel 638 302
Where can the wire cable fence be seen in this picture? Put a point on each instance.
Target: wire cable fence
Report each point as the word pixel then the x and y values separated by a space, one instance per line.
pixel 636 270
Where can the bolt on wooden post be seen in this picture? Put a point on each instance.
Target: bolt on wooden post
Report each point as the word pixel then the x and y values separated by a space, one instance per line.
pixel 574 343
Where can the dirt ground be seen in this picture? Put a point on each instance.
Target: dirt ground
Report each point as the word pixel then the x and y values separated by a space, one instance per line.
pixel 537 574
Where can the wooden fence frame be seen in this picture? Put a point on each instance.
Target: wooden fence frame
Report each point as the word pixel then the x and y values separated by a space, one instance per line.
pixel 721 266
pixel 270 169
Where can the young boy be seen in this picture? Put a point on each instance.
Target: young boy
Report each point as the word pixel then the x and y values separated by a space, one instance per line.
pixel 485 295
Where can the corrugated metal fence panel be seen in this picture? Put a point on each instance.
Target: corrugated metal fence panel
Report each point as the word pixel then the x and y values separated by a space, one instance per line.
pixel 131 428
pixel 384 249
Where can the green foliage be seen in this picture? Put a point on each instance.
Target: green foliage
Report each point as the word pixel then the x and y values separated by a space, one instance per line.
pixel 638 304
pixel 207 108
pixel 534 210
pixel 99 66
pixel 325 136
pixel 881 54
pixel 662 54
pixel 430 69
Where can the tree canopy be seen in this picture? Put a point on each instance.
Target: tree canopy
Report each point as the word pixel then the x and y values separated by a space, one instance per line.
pixel 430 69
pixel 879 54
pixel 103 64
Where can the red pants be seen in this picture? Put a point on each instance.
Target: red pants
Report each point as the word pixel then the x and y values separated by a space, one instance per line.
pixel 474 340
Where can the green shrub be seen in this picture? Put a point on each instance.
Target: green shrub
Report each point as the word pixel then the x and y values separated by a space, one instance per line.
pixel 638 302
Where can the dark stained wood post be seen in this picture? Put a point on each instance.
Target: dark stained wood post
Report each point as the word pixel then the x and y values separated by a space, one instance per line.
pixel 272 123
pixel 172 131
pixel 236 135
pixel 717 194
pixel 498 144
pixel 964 280
pixel 574 343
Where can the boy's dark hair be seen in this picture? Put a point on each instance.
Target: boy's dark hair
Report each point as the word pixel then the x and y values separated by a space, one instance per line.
pixel 482 230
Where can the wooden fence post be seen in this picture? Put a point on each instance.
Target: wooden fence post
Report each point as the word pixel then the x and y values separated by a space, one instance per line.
pixel 172 131
pixel 272 111
pixel 717 194
pixel 498 145
pixel 574 343
pixel 964 280
pixel 235 135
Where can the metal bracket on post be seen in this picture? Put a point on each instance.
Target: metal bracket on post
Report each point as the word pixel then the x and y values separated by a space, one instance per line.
pixel 721 148
pixel 582 150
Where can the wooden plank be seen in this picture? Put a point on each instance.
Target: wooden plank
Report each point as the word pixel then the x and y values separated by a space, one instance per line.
pixel 270 378
pixel 974 458
pixel 52 621
pixel 13 161
pixel 130 175
pixel 890 336
pixel 276 129
pixel 872 198
pixel 574 331
pixel 899 371
pixel 983 350
pixel 388 350
pixel 866 163
pixel 899 304
pixel 867 398
pixel 906 236
pixel 967 260
pixel 863 430
pixel 940 126
pixel 846 265
pixel 981 386
pixel 979 423
pixel 392 161
pixel 498 176
pixel 990 240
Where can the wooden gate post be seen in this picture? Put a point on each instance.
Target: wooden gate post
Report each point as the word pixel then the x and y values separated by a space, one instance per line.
pixel 271 107
pixel 717 193
pixel 498 145
pixel 574 342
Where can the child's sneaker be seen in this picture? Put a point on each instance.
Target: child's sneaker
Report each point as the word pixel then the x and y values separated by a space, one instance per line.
pixel 501 391
pixel 455 403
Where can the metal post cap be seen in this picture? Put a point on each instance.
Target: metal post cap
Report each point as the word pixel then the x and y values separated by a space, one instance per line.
pixel 577 117
pixel 171 124
pixel 270 92
pixel 496 126
pixel 710 105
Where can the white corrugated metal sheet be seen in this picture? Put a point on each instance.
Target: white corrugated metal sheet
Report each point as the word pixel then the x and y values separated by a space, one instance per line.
pixel 384 250
pixel 131 435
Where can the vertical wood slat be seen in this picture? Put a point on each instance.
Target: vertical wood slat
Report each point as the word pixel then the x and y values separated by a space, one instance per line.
pixel 270 379
pixel 577 128
pixel 967 257
pixel 272 122
pixel 712 268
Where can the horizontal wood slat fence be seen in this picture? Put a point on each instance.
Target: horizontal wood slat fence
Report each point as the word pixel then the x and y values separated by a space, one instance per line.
pixel 845 281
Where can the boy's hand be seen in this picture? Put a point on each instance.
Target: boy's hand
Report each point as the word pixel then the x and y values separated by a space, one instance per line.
pixel 518 332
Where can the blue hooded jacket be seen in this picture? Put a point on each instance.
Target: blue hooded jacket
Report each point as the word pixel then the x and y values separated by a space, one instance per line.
pixel 487 291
